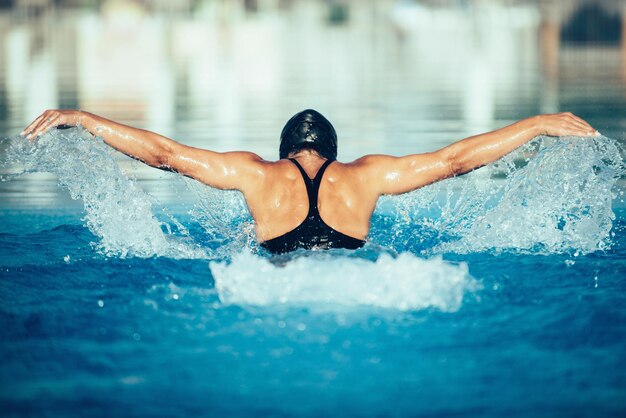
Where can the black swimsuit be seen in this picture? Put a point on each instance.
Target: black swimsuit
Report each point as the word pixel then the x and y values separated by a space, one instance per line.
pixel 313 231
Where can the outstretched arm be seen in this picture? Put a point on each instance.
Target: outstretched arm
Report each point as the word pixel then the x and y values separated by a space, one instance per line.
pixel 395 175
pixel 231 170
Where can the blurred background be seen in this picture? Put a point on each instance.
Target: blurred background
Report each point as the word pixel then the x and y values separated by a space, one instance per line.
pixel 394 76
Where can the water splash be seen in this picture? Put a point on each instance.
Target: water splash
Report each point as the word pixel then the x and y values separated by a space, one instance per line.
pixel 326 281
pixel 224 217
pixel 550 196
pixel 117 210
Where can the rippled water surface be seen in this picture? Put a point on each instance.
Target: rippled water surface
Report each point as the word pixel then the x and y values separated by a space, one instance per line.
pixel 126 291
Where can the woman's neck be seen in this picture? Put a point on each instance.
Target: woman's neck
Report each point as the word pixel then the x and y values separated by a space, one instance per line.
pixel 306 155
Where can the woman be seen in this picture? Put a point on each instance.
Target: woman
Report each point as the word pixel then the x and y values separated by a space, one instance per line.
pixel 332 209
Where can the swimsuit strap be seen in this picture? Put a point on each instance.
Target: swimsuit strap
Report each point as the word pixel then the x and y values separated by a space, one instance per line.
pixel 312 185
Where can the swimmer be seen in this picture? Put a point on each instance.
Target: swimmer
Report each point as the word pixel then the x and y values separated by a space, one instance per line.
pixel 307 199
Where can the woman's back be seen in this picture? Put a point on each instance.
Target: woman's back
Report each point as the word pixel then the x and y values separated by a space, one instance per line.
pixel 281 203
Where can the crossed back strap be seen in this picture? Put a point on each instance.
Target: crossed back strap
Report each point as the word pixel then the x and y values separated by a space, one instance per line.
pixel 312 185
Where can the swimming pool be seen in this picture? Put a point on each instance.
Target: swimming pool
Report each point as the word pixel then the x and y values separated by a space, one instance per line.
pixel 132 292
pixel 499 292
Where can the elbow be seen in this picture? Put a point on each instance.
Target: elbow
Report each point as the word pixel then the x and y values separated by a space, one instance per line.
pixel 454 164
pixel 458 166
pixel 163 156
pixel 454 167
pixel 459 163
pixel 162 159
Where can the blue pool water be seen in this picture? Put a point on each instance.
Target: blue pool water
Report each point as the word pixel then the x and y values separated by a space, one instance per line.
pixel 497 293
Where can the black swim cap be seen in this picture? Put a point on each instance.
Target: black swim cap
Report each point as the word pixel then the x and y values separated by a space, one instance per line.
pixel 309 129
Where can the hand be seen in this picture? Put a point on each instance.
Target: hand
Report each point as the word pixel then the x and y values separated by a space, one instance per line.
pixel 51 119
pixel 564 124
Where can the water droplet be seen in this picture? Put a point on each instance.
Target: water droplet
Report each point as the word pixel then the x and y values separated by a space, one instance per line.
pixel 101 303
pixel 301 327
pixel 281 324
pixel 136 337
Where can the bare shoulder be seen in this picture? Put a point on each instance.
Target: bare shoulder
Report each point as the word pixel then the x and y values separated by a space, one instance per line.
pixel 386 174
pixel 370 164
pixel 274 170
pixel 276 165
pixel 237 157
pixel 357 181
pixel 240 170
pixel 244 156
pixel 245 160
pixel 251 163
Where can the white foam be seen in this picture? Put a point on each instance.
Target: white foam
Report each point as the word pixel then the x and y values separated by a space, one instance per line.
pixel 559 201
pixel 117 210
pixel 334 282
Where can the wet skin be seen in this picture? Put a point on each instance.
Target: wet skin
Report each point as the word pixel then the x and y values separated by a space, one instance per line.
pixel 274 190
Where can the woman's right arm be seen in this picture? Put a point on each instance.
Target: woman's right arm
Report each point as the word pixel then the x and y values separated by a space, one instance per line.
pixel 231 170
